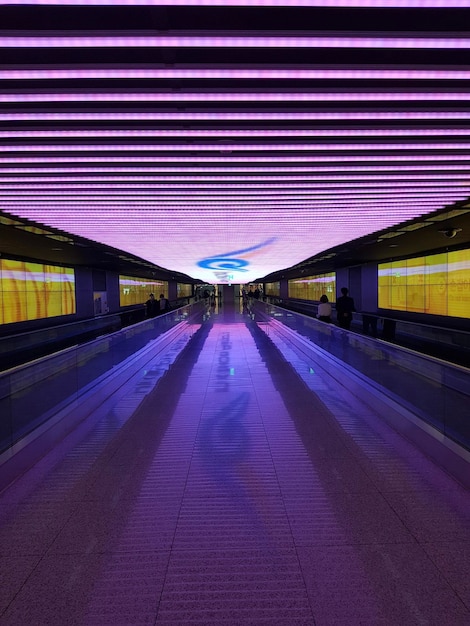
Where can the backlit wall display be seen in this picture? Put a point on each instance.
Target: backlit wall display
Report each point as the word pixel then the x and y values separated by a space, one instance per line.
pixel 438 284
pixel 313 287
pixel 136 290
pixel 184 290
pixel 273 289
pixel 31 291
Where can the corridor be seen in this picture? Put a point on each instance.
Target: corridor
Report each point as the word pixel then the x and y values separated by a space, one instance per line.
pixel 246 489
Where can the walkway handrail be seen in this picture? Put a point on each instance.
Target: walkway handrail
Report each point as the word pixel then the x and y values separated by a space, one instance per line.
pixel 34 393
pixel 435 391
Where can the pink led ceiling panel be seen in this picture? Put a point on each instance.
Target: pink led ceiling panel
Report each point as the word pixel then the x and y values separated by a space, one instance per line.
pixel 265 3
pixel 231 154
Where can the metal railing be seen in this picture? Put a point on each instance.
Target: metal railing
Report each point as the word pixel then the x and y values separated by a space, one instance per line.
pixel 33 393
pixel 435 391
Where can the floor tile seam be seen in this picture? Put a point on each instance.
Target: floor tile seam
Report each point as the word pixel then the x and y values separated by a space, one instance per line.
pixel 443 575
pixel 187 489
pixel 187 493
pixel 39 558
pixel 279 486
pixel 326 495
pixel 188 470
pixel 43 557
pixel 380 432
pixel 387 497
pixel 295 443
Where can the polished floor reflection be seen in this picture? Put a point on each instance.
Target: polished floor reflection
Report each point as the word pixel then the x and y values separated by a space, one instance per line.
pixel 246 489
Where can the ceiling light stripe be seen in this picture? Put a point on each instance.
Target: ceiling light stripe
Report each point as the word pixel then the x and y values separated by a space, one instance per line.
pixel 65 206
pixel 437 160
pixel 281 116
pixel 319 73
pixel 374 180
pixel 407 4
pixel 235 133
pixel 319 168
pixel 258 96
pixel 205 174
pixel 339 40
pixel 304 194
pixel 286 187
pixel 247 147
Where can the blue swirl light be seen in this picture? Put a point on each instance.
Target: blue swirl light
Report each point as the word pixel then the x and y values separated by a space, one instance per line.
pixel 225 262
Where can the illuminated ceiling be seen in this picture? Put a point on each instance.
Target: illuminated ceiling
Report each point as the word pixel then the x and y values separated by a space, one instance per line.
pixel 230 140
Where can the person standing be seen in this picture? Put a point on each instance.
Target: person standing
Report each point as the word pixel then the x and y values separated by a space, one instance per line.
pixel 164 304
pixel 151 306
pixel 344 309
pixel 324 309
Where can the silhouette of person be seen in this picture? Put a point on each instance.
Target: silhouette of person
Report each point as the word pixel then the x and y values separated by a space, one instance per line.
pixel 324 309
pixel 388 329
pixel 151 306
pixel 344 309
pixel 163 304
pixel 369 324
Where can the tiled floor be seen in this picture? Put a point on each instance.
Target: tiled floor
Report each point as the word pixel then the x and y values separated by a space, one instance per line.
pixel 240 492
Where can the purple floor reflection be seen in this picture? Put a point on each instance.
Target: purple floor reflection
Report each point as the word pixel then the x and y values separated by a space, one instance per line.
pixel 236 494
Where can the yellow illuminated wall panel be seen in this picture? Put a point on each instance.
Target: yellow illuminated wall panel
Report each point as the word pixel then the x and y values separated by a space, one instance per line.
pixel 437 284
pixel 459 283
pixel 134 291
pixel 183 290
pixel 313 287
pixel 384 286
pixel 30 291
pixel 273 289
pixel 437 274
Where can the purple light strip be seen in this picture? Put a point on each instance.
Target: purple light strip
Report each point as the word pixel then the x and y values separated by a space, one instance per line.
pixel 247 147
pixel 78 170
pixel 341 40
pixel 174 188
pixel 409 160
pixel 259 96
pixel 437 161
pixel 247 133
pixel 100 222
pixel 237 115
pixel 407 4
pixel 222 190
pixel 65 206
pixel 266 202
pixel 243 176
pixel 74 73
pixel 272 193
pixel 121 216
pixel 235 179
